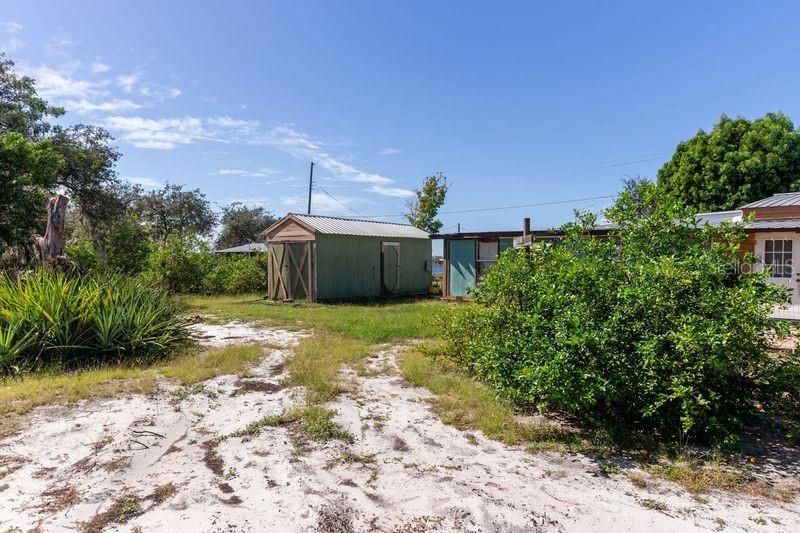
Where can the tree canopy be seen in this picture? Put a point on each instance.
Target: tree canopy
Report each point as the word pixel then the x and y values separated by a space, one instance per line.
pixel 737 162
pixel 175 211
pixel 27 171
pixel 424 207
pixel 22 110
pixel 242 224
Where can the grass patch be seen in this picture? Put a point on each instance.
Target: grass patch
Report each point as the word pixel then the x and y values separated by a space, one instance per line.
pixel 317 360
pixel 372 322
pixel 465 403
pixel 191 368
pixel 309 423
pixel 697 478
pixel 21 394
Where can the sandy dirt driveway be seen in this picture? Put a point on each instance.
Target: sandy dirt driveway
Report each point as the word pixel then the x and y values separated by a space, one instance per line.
pixel 155 463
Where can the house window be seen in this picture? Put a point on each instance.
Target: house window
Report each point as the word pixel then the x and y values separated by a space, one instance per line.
pixel 487 256
pixel 778 257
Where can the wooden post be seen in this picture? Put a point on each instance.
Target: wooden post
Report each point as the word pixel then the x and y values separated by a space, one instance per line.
pixel 51 246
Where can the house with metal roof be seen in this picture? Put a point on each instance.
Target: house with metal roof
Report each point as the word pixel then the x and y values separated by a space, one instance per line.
pixel 315 258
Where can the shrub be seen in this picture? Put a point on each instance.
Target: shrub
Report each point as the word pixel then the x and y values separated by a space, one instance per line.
pixel 236 275
pixel 63 321
pixel 649 330
pixel 179 264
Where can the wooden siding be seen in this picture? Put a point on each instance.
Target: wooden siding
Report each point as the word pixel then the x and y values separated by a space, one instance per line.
pixel 290 231
pixel 348 266
pixel 787 212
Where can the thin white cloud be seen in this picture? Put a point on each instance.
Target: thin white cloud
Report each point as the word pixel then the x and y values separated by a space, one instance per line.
pixel 59 84
pixel 98 67
pixel 169 133
pixel 9 36
pixel 390 151
pixel 127 81
pixel 300 145
pixel 260 173
pixel 110 106
pixel 147 183
pixel 159 134
pixel 391 191
pixel 158 93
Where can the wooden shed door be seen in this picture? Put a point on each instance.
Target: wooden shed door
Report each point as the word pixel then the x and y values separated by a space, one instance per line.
pixel 291 271
pixel 390 267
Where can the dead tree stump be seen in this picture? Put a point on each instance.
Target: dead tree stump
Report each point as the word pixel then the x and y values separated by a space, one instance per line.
pixel 51 246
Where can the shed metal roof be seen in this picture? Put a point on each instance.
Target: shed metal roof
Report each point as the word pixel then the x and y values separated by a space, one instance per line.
pixel 782 199
pixel 364 228
pixel 244 248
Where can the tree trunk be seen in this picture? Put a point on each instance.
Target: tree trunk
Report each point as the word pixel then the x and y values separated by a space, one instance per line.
pixel 51 246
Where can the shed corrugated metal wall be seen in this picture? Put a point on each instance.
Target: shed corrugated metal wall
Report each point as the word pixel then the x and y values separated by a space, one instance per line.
pixel 347 266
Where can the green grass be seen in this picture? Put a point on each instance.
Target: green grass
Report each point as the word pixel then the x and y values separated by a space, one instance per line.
pixel 373 322
pixel 465 403
pixel 344 333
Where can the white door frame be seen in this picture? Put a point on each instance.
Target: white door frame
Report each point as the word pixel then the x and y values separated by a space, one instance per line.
pixel 793 281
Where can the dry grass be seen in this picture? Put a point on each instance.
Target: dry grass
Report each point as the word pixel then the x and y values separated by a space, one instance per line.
pixel 20 395
pixel 193 368
pixel 465 403
pixel 697 478
pixel 317 360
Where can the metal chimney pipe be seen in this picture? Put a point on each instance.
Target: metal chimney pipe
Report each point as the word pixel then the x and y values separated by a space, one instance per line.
pixel 526 226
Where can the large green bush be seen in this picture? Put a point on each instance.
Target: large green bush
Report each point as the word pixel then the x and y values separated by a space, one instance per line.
pixel 179 264
pixel 66 321
pixel 650 330
pixel 186 265
pixel 233 274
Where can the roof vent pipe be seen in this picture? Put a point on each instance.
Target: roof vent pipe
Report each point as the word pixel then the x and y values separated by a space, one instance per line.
pixel 526 226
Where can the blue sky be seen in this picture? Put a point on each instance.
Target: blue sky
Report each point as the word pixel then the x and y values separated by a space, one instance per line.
pixel 517 103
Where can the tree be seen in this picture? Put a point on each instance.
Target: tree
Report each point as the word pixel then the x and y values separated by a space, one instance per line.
pixel 89 175
pixel 242 224
pixel 639 198
pixel 174 211
pixel 737 162
pixel 650 332
pixel 27 172
pixel 21 109
pixel 422 209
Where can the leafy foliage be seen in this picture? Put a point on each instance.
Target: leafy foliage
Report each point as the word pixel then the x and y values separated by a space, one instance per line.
pixel 242 225
pixel 651 329
pixel 423 209
pixel 737 162
pixel 21 109
pixel 54 320
pixel 27 170
pixel 237 275
pixel 173 211
pixel 179 264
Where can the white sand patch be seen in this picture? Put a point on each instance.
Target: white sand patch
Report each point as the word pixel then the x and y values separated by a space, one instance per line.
pixel 405 471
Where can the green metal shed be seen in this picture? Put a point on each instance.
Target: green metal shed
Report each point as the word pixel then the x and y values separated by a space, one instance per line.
pixel 315 258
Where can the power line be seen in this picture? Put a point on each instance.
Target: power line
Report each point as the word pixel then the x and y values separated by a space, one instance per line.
pixel 539 204
pixel 341 203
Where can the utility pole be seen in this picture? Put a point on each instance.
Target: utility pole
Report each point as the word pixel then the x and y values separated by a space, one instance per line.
pixel 459 228
pixel 310 185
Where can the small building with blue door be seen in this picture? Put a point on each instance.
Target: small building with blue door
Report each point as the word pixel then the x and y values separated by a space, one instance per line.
pixel 467 256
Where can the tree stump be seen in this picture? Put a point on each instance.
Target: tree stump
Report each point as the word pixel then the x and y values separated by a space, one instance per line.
pixel 51 246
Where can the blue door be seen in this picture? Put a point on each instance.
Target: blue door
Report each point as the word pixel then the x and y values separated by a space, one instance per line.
pixel 461 274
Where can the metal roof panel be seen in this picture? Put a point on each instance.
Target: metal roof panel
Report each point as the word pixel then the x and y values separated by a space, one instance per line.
pixel 777 200
pixel 364 228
